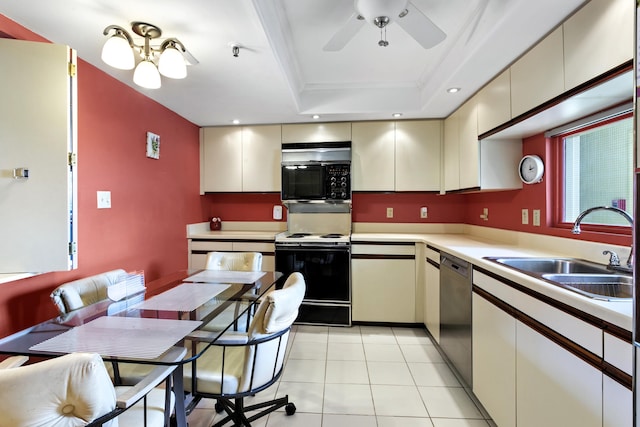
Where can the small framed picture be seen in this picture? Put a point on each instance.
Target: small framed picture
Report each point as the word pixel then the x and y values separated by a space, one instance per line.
pixel 153 145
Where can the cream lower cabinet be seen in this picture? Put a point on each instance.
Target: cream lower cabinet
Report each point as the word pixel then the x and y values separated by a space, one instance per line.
pixel 554 387
pixel 383 283
pixel 617 404
pixel 198 249
pixel 431 303
pixel 494 360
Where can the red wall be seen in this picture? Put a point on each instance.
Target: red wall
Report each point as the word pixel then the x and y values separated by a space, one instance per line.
pixel 152 200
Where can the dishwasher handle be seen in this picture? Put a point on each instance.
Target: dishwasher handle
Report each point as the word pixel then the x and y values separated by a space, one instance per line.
pixel 454 264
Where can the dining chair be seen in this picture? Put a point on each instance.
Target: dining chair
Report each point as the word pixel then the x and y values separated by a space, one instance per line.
pixel 238 261
pixel 75 390
pixel 233 261
pixel 240 364
pixel 79 293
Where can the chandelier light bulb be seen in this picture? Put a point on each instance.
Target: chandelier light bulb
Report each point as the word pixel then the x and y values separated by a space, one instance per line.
pixel 172 64
pixel 146 75
pixel 117 53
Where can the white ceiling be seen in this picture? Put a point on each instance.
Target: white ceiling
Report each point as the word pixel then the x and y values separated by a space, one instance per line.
pixel 282 74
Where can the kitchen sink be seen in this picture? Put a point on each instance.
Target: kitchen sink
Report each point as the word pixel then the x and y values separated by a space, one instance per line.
pixel 584 277
pixel 553 265
pixel 599 286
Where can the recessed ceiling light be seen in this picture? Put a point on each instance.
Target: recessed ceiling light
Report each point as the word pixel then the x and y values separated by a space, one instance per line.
pixel 397 114
pixel 453 89
pixel 315 117
pixel 235 121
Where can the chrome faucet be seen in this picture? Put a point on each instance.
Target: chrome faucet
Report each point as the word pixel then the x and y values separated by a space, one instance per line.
pixel 614 262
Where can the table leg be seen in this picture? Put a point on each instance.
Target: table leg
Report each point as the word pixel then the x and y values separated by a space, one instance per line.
pixel 178 390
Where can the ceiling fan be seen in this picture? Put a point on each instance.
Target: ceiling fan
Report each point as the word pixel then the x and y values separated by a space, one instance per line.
pixel 381 13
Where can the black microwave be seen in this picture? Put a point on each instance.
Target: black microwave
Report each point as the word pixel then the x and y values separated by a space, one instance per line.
pixel 316 181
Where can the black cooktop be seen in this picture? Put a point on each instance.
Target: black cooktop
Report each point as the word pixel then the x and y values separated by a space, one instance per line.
pixel 298 235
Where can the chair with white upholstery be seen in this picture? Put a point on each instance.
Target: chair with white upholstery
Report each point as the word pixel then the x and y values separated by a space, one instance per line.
pixel 82 292
pixel 232 261
pixel 75 390
pixel 240 364
pixel 237 261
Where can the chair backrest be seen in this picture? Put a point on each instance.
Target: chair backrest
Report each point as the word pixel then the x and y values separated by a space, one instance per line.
pixel 82 292
pixel 238 261
pixel 275 314
pixel 65 391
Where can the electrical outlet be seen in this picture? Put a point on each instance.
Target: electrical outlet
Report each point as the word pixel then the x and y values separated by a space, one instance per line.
pixel 104 199
pixel 277 212
pixel 423 212
pixel 525 216
pixel 536 217
pixel 389 212
pixel 485 214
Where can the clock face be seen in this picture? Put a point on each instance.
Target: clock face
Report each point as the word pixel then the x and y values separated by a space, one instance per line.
pixel 531 169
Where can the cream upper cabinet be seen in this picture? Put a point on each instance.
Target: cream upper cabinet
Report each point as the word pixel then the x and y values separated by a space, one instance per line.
pixel 494 103
pixel 316 132
pixel 373 156
pixel 539 75
pixel 237 159
pixel 417 160
pixel 451 163
pixel 261 158
pixel 222 159
pixel 490 164
pixel 469 148
pixel 597 38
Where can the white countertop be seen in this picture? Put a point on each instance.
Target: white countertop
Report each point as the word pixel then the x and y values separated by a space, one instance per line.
pixel 473 249
pixel 485 242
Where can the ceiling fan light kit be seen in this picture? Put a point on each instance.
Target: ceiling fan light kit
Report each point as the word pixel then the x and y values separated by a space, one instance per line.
pixel 118 52
pixel 382 13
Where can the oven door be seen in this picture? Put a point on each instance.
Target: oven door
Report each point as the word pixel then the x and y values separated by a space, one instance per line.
pixel 326 270
pixel 303 182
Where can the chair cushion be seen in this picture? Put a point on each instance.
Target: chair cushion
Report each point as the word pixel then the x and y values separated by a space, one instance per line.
pixel 238 261
pixel 283 304
pixel 209 367
pixel 82 292
pixel 62 392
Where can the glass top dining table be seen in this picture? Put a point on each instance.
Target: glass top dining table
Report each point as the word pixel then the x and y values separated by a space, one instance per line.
pixel 144 327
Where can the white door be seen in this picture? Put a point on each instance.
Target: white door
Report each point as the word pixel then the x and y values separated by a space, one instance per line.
pixel 37 133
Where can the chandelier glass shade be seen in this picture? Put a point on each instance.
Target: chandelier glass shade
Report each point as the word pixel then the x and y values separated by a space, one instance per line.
pixel 119 51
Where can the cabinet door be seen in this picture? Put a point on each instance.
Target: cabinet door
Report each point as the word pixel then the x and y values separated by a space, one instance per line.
pixel 539 75
pixel 222 159
pixel 494 103
pixel 597 38
pixel 417 162
pixel 316 132
pixel 494 360
pixel 383 290
pixel 372 158
pixel 617 404
pixel 37 132
pixel 432 300
pixel 261 157
pixel 469 146
pixel 554 387
pixel 451 162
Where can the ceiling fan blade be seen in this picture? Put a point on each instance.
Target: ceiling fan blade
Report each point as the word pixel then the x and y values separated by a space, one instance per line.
pixel 421 28
pixel 344 34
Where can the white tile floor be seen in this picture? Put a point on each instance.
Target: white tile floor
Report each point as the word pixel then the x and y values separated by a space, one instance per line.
pixel 364 376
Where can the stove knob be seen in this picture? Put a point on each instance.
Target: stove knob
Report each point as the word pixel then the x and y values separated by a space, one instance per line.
pixel 343 195
pixel 333 195
pixel 343 185
pixel 333 179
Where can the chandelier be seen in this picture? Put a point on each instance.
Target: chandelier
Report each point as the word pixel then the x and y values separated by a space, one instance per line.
pixel 119 52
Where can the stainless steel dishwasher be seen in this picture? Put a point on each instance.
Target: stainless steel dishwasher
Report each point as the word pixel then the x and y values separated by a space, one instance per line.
pixel 455 313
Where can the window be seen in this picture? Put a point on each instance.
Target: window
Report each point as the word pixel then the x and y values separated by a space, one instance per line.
pixel 596 169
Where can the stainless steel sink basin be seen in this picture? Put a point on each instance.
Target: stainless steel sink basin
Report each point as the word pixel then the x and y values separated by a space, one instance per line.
pixel 553 265
pixel 599 286
pixel 584 277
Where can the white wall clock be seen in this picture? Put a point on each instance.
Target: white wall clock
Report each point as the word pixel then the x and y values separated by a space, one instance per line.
pixel 531 169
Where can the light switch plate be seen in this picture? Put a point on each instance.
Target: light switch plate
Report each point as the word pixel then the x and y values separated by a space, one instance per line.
pixel 525 216
pixel 536 217
pixel 104 199
pixel 389 212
